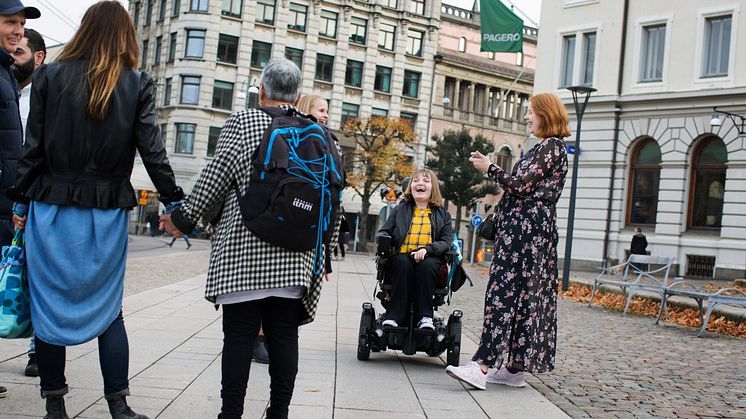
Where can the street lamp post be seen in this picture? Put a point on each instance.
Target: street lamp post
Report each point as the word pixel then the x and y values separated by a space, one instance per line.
pixel 579 111
pixel 738 121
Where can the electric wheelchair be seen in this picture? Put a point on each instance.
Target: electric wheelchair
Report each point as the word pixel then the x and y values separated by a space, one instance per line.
pixel 408 338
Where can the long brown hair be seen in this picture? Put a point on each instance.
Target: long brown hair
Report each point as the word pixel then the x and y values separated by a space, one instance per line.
pixel 106 38
pixel 554 119
pixel 436 199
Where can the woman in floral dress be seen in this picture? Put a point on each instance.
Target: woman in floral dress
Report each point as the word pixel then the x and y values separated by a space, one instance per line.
pixel 520 313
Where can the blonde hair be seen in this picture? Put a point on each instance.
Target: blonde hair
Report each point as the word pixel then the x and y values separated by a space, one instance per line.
pixel 307 102
pixel 436 199
pixel 106 38
pixel 554 119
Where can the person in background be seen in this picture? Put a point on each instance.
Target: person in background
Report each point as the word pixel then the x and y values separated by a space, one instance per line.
pixel 28 55
pixel 13 15
pixel 91 111
pixel 186 239
pixel 638 246
pixel 520 311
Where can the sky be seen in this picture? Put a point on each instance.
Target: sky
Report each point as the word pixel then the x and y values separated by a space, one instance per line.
pixel 59 19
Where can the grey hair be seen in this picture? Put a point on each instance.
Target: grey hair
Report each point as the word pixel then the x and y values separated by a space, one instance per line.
pixel 281 80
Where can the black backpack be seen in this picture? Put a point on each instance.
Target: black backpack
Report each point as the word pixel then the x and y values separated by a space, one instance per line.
pixel 295 186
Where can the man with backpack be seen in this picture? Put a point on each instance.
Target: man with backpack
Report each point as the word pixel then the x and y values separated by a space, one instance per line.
pixel 259 278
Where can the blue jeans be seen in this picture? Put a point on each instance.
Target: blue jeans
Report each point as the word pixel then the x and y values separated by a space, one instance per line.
pixel 113 353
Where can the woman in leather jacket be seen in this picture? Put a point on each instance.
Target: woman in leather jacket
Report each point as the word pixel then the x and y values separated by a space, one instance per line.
pixel 420 229
pixel 90 112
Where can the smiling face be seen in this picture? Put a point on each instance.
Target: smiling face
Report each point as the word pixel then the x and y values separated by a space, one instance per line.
pixel 320 111
pixel 533 121
pixel 422 188
pixel 11 30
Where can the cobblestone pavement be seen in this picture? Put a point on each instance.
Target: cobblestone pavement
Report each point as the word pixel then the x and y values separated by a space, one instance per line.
pixel 611 366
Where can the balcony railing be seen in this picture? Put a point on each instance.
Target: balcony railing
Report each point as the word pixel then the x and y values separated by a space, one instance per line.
pixel 480 119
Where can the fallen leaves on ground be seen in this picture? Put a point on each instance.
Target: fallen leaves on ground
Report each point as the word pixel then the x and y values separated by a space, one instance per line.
pixel 645 307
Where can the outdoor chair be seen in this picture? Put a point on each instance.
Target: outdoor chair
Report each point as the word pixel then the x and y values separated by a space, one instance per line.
pixel 631 277
pixel 727 296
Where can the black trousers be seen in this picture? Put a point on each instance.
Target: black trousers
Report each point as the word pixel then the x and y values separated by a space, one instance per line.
pixel 412 282
pixel 279 317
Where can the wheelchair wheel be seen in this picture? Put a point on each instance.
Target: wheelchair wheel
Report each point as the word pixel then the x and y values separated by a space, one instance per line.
pixel 454 336
pixel 363 345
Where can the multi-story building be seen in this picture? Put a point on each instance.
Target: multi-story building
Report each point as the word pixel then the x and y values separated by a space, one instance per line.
pixel 367 58
pixel 650 156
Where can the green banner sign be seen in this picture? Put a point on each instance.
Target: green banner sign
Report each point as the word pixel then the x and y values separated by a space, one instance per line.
pixel 502 30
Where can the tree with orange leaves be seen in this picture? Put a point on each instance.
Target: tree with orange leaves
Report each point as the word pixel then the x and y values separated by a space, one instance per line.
pixel 380 158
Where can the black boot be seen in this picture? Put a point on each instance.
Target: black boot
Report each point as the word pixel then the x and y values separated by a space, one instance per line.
pixel 119 409
pixel 32 368
pixel 56 408
pixel 260 350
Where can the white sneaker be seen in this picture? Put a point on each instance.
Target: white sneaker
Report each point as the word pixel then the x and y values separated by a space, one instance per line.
pixel 470 374
pixel 504 377
pixel 391 323
pixel 426 323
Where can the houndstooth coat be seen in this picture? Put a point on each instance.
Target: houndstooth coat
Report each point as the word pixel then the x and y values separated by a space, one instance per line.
pixel 239 260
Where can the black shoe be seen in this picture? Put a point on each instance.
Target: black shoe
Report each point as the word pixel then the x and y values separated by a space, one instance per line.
pixel 189 246
pixel 56 408
pixel 32 368
pixel 260 350
pixel 3 392
pixel 119 409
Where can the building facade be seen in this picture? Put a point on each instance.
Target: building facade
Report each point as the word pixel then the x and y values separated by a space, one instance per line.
pixel 650 156
pixel 366 58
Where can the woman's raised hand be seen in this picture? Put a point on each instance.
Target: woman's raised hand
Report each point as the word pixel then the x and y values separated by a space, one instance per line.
pixel 480 161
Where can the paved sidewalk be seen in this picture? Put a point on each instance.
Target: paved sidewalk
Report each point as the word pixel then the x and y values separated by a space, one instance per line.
pixel 175 342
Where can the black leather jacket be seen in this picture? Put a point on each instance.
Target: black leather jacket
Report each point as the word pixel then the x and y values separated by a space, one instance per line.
pixel 72 159
pixel 11 135
pixel 397 226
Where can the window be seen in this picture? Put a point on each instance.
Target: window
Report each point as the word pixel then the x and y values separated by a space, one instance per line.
pixel 324 67
pixel 198 5
pixel 295 55
pixel 491 56
pixel 222 95
pixel 414 42
pixel 144 59
pixel 148 12
pixel 378 112
pixel 386 36
pixel 185 138
pixel 417 7
pixel 388 3
pixel 260 53
pixel 349 110
pixel 644 178
pixel 707 184
pixel 358 30
pixel 383 79
pixel 505 159
pixel 409 117
pixel 328 24
pixel 177 8
pixel 162 10
pixel 136 18
pixel 518 58
pixel 568 59
pixel 227 49
pixel 354 73
pixel 195 43
pixel 265 11
pixel 190 90
pixel 297 17
pixel 651 57
pixel 158 48
pixel 232 7
pixel 164 130
pixel 411 83
pixel 462 44
pixel 589 57
pixel 167 92
pixel 716 55
pixel 212 141
pixel 172 47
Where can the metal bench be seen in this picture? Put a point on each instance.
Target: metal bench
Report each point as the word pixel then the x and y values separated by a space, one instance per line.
pixel 631 277
pixel 682 288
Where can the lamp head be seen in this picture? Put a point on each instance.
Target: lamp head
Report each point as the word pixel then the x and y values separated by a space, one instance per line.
pixel 446 101
pixel 715 122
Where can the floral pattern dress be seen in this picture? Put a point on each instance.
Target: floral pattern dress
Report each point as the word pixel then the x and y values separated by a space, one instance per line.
pixel 520 313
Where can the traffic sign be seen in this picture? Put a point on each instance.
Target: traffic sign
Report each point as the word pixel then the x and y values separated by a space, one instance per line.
pixel 571 149
pixel 476 220
pixel 391 196
pixel 143 198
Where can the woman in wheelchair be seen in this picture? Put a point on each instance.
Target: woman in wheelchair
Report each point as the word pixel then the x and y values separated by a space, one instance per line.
pixel 420 228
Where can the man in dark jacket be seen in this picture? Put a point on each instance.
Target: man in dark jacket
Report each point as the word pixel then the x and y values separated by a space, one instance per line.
pixel 13 15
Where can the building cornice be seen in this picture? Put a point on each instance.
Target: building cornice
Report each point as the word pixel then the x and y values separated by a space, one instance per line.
pixel 492 67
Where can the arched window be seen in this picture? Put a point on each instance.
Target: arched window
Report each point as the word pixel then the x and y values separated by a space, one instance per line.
pixel 462 44
pixel 505 159
pixel 644 177
pixel 707 184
